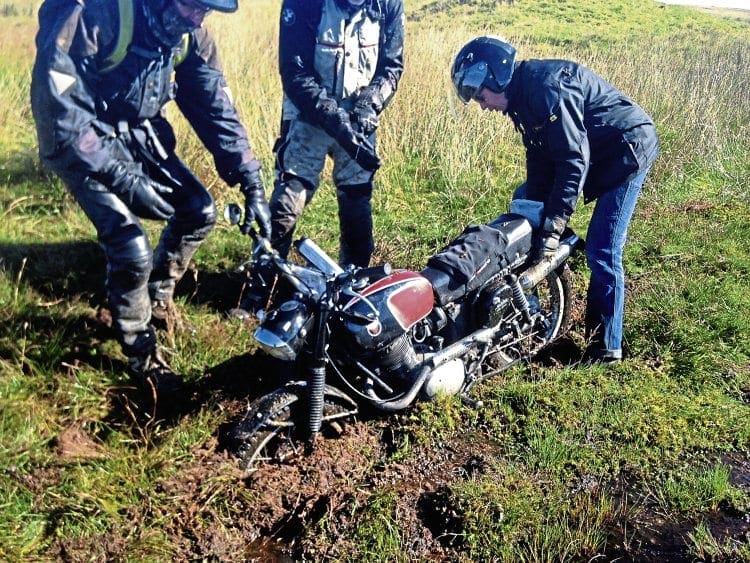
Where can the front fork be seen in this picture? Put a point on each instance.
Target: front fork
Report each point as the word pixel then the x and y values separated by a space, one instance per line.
pixel 316 374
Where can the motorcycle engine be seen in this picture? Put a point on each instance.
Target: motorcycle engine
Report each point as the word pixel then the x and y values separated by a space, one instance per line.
pixel 384 346
pixel 494 305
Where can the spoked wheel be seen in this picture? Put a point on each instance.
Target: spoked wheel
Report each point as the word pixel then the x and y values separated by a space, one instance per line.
pixel 274 427
pixel 553 299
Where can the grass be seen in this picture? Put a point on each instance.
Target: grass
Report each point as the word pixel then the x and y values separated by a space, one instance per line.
pixel 565 462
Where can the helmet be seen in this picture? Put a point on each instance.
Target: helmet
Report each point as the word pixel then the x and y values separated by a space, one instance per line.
pixel 219 5
pixel 350 4
pixel 484 62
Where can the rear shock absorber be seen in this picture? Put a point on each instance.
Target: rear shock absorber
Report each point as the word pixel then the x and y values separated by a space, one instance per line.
pixel 519 299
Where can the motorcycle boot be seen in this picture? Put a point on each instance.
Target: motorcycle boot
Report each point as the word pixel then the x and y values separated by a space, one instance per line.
pixel 147 368
pixel 355 218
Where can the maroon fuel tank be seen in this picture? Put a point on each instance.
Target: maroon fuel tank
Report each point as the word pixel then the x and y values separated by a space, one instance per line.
pixel 401 299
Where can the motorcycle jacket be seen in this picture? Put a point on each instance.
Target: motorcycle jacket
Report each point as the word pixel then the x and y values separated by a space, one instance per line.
pixel 581 134
pixel 330 50
pixel 100 72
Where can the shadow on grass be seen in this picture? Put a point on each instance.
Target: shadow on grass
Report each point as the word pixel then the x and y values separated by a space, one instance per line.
pixel 54 341
pixel 76 269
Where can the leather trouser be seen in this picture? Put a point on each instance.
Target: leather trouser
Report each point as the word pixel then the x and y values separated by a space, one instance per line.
pixel 135 274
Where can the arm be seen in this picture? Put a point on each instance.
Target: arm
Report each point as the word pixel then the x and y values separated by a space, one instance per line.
pixel 391 56
pixel 73 142
pixel 568 146
pixel 372 99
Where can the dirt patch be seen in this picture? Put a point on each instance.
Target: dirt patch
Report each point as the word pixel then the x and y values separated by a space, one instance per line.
pixel 74 443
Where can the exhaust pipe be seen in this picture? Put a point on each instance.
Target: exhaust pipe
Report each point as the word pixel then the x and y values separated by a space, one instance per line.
pixel 531 277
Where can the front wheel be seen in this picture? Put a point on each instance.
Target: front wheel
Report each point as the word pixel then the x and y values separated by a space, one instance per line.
pixel 274 428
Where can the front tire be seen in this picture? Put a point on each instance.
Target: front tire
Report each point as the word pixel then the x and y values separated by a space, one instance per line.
pixel 274 427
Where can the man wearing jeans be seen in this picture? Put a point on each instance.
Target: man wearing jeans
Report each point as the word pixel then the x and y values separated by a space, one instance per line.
pixel 581 135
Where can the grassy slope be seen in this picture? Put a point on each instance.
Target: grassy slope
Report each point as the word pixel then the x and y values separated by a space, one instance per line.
pixel 662 422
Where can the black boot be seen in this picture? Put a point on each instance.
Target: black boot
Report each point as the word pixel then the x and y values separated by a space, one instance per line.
pixel 148 369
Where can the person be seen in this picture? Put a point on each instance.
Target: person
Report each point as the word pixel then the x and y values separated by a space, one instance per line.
pixel 101 79
pixel 340 63
pixel 581 135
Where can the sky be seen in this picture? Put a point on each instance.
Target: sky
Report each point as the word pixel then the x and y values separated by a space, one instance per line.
pixel 739 4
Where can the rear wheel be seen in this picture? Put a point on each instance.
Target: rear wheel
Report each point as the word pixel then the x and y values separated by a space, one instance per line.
pixel 274 427
pixel 552 298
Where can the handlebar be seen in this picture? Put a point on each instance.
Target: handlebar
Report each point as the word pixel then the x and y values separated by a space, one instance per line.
pixel 338 280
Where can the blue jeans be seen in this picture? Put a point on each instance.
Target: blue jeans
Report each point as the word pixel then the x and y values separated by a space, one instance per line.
pixel 605 241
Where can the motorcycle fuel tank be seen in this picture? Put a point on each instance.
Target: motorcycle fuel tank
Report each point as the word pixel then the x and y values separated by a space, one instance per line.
pixel 401 299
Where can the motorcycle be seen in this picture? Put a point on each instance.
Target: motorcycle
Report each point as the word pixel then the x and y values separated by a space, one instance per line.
pixel 385 337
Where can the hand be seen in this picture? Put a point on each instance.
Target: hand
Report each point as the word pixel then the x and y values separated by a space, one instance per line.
pixel 548 246
pixel 367 107
pixel 366 119
pixel 143 196
pixel 256 206
pixel 338 125
pixel 550 239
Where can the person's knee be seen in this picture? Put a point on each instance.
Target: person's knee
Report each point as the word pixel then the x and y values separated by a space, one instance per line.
pixel 287 203
pixel 129 262
pixel 197 216
pixel 355 192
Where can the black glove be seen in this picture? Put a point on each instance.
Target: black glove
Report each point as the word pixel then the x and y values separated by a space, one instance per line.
pixel 143 196
pixel 256 206
pixel 335 121
pixel 367 107
pixel 550 239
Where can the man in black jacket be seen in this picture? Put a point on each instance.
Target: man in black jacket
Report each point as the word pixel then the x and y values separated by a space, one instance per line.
pixel 340 63
pixel 102 76
pixel 581 135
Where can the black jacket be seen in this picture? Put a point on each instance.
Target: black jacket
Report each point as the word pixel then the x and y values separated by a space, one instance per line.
pixel 79 104
pixel 581 134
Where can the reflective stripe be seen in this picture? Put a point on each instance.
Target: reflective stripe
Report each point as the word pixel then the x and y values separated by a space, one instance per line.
pixel 183 51
pixel 124 36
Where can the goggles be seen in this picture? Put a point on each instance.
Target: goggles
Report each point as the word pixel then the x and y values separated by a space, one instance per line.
pixel 469 81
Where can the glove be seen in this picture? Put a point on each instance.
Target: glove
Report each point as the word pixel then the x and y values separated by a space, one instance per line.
pixel 256 206
pixel 143 196
pixel 335 121
pixel 367 107
pixel 550 239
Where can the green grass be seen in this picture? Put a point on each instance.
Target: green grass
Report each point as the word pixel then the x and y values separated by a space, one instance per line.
pixel 576 462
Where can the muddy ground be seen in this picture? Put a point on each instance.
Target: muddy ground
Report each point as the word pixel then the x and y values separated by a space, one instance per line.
pixel 308 508
pixel 277 513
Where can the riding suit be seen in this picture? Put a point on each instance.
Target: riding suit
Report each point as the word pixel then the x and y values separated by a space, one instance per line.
pixel 584 136
pixel 340 65
pixel 102 76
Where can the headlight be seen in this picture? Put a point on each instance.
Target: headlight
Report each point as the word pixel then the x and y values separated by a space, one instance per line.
pixel 283 331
